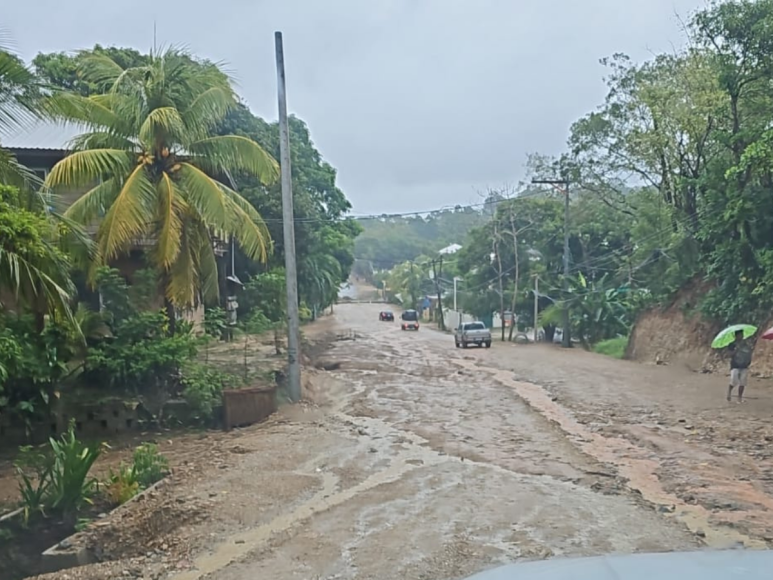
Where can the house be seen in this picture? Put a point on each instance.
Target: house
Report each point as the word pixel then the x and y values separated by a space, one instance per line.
pixel 452 249
pixel 42 160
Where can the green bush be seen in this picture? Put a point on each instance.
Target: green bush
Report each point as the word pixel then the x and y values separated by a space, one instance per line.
pixel 143 359
pixel 203 387
pixel 614 347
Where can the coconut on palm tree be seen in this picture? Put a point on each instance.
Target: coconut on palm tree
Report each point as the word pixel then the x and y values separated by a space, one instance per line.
pixel 157 171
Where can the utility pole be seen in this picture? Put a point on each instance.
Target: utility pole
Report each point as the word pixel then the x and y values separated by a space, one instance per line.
pixel 536 306
pixel 499 271
pixel 288 219
pixel 436 275
pixel 562 185
pixel 456 280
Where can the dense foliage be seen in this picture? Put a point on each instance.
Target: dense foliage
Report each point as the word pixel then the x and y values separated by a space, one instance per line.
pixel 171 161
pixel 670 180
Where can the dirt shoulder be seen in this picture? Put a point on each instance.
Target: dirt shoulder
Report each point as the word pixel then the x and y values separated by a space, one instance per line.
pixel 708 453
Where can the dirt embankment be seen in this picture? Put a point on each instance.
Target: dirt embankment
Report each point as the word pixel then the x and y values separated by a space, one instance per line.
pixel 677 334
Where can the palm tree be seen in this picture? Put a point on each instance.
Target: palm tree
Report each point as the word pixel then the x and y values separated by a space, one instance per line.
pixel 320 279
pixel 18 108
pixel 157 170
pixel 33 269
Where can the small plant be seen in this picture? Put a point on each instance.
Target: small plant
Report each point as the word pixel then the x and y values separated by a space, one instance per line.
pixel 70 485
pixel 56 480
pixel 149 466
pixel 121 485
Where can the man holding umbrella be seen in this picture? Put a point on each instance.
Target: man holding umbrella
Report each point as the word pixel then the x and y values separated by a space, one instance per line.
pixel 735 338
pixel 739 365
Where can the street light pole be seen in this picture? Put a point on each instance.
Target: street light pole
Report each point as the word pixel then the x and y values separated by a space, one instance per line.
pixel 562 185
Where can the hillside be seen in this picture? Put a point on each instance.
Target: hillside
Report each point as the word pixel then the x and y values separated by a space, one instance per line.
pixel 676 334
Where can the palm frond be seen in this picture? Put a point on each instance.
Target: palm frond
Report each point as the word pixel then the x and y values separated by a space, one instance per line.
pixel 14 173
pixel 171 206
pixel 225 210
pixel 207 110
pixel 232 153
pixel 94 202
pixel 129 216
pixel 95 112
pixel 84 168
pixel 38 277
pixel 162 125
pixel 100 140
pixel 18 93
pixel 99 69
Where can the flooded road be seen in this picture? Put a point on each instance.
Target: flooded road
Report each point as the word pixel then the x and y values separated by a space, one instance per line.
pixel 420 463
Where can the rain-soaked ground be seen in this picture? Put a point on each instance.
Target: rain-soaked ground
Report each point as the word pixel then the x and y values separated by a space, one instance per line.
pixel 424 461
pixel 422 466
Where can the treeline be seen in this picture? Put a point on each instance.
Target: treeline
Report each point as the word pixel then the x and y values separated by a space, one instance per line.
pixel 670 181
pixel 175 170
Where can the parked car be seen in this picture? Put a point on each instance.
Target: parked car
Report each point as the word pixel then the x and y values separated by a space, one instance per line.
pixel 386 316
pixel 410 320
pixel 472 333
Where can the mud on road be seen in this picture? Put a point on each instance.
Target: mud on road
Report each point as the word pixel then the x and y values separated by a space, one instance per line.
pixel 422 461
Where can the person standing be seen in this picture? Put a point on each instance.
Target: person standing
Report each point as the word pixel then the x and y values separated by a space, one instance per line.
pixel 739 365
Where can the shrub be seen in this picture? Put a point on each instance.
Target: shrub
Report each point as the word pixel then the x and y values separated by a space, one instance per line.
pixel 614 347
pixel 148 467
pixel 203 387
pixel 56 479
pixel 143 359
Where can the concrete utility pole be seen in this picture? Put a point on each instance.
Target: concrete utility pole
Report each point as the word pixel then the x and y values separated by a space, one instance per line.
pixel 562 185
pixel 436 275
pixel 536 307
pixel 288 219
pixel 456 281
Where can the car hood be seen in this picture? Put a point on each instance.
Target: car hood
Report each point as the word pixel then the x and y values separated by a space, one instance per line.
pixel 703 565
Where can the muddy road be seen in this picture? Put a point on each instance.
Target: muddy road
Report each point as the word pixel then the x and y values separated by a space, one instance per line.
pixel 420 463
pixel 419 460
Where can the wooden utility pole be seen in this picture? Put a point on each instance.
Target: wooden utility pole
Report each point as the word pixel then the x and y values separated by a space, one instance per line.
pixel 288 219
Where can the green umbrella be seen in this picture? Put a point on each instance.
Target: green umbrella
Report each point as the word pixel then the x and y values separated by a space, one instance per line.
pixel 727 336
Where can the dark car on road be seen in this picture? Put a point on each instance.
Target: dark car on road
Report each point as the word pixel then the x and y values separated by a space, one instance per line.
pixel 410 320
pixel 386 316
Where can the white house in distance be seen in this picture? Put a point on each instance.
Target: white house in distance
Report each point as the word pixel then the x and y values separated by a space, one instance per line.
pixel 452 249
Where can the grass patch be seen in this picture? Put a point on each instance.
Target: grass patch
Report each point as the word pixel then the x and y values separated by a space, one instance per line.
pixel 614 347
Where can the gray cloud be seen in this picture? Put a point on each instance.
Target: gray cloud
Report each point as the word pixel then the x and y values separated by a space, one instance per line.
pixel 417 103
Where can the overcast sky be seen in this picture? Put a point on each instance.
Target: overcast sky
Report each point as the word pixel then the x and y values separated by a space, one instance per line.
pixel 417 103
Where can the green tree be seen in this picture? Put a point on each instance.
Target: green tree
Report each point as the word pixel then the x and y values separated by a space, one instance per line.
pixel 155 167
